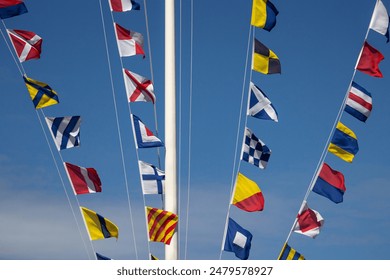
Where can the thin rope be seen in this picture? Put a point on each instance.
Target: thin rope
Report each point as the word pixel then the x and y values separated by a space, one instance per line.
pixel 235 170
pixel 180 113
pixel 118 128
pixel 190 125
pixel 325 150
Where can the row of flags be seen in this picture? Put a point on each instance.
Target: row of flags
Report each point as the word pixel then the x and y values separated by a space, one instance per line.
pixel 161 224
pixel 246 194
pixel 329 182
pixel 65 131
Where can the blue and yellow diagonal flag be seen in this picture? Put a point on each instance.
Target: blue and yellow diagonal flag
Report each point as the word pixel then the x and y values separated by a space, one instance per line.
pixel 264 14
pixel 42 94
pixel 344 143
pixel 98 227
pixel 289 253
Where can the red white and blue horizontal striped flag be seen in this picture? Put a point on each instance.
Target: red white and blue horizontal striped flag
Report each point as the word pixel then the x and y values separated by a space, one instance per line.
pixel 330 184
pixel 11 8
pixel 359 102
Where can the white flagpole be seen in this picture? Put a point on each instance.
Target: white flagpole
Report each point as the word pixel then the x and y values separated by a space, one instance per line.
pixel 171 251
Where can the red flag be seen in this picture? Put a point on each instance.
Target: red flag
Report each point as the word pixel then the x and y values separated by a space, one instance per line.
pixel 83 180
pixel 27 44
pixel 369 61
pixel 309 222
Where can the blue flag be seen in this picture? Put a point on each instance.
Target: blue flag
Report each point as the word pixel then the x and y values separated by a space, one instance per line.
pixel 238 240
pixel 101 257
pixel 144 137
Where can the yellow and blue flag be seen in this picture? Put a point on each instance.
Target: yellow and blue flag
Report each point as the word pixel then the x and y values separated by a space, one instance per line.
pixel 344 143
pixel 42 95
pixel 98 227
pixel 264 14
pixel 289 253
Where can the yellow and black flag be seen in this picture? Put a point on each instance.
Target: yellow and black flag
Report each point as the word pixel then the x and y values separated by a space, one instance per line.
pixel 264 60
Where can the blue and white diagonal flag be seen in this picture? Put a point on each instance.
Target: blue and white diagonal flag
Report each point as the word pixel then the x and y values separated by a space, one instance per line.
pixel 65 131
pixel 254 150
pixel 144 138
pixel 152 178
pixel 259 106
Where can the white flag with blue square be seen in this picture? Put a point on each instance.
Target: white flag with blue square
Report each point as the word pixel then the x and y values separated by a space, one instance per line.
pixel 259 106
pixel 152 178
pixel 254 150
pixel 65 131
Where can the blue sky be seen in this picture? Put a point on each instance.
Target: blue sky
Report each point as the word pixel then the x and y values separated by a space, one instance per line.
pixel 317 43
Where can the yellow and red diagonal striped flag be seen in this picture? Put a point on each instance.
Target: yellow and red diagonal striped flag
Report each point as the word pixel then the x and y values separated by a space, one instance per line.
pixel 161 224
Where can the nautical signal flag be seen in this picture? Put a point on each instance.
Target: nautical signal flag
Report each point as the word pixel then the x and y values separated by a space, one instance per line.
pixel 161 224
pixel 83 180
pixel 264 60
pixel 289 253
pixel 369 61
pixel 129 42
pixel 138 88
pixel 124 5
pixel 309 222
pixel 42 94
pixel 11 8
pixel 152 178
pixel 65 131
pixel 97 226
pixel 153 257
pixel 380 20
pixel 344 143
pixel 144 137
pixel 330 184
pixel 359 102
pixel 237 240
pixel 101 257
pixel 259 106
pixel 264 14
pixel 27 44
pixel 247 195
pixel 254 150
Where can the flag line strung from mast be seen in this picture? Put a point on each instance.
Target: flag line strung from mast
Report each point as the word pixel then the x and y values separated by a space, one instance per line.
pixel 343 143
pixel 245 193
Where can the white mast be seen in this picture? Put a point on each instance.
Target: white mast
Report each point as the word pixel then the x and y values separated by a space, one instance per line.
pixel 171 251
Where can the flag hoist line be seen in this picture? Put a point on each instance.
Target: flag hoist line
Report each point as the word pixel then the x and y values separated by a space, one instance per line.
pixel 23 73
pixel 325 151
pixel 251 35
pixel 132 123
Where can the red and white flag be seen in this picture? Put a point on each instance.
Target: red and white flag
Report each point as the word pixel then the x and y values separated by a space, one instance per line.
pixel 27 44
pixel 129 42
pixel 83 180
pixel 138 88
pixel 309 222
pixel 123 5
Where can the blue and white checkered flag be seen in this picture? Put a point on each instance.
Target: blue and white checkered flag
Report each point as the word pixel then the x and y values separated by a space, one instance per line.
pixel 254 150
pixel 65 131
